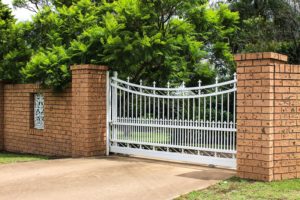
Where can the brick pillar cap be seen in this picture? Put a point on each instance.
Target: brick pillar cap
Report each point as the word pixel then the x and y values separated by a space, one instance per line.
pixel 260 56
pixel 89 66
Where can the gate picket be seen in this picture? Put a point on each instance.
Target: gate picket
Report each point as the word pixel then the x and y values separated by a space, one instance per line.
pixel 192 124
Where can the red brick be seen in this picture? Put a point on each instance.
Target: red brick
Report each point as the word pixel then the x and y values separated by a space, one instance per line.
pixel 268 117
pixel 61 128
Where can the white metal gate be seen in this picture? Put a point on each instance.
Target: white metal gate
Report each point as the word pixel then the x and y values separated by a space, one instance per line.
pixel 195 124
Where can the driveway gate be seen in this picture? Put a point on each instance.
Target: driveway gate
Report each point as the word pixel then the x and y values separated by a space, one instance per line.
pixel 195 124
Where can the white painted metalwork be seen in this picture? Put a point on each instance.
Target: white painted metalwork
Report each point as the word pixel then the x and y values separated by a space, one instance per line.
pixel 39 111
pixel 108 111
pixel 195 124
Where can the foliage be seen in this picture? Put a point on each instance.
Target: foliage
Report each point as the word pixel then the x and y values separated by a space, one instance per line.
pixel 16 53
pixel 6 20
pixel 51 64
pixel 172 40
pixel 267 25
pixel 32 5
pixel 13 51
pixel 236 188
pixel 38 5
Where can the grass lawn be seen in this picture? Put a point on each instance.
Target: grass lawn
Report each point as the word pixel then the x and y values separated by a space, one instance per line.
pixel 166 138
pixel 13 158
pixel 239 189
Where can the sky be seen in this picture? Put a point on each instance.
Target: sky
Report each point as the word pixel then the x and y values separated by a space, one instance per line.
pixel 20 13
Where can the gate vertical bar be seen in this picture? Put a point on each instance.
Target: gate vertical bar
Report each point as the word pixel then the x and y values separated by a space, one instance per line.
pixel 183 134
pixel 108 111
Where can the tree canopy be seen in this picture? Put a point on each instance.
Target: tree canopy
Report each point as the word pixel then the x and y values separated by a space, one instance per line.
pixel 268 25
pixel 165 40
pixel 153 40
pixel 13 51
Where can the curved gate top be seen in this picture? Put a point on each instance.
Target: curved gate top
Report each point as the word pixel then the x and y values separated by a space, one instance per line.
pixel 191 124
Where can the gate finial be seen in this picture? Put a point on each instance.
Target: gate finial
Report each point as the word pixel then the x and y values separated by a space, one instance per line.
pixel 199 83
pixel 234 77
pixel 217 79
pixel 115 74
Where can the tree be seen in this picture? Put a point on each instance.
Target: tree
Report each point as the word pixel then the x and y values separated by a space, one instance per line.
pixel 31 5
pixel 172 40
pixel 6 22
pixel 13 51
pixel 16 53
pixel 37 5
pixel 268 25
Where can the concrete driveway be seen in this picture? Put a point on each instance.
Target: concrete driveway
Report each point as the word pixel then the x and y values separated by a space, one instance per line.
pixel 104 178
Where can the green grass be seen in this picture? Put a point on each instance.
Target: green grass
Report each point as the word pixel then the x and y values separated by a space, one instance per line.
pixel 154 137
pixel 240 189
pixel 13 158
pixel 145 137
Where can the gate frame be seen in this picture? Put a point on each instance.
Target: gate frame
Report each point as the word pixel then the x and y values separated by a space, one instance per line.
pixel 108 112
pixel 199 159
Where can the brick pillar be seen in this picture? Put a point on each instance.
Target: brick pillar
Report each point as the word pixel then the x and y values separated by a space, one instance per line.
pixel 256 114
pixel 1 115
pixel 88 110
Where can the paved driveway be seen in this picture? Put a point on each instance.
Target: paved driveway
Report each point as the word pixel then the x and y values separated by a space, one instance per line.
pixel 103 178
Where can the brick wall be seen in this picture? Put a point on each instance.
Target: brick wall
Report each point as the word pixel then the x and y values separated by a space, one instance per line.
pixel 1 114
pixel 268 96
pixel 20 136
pixel 74 119
pixel 268 120
pixel 287 122
pixel 89 110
